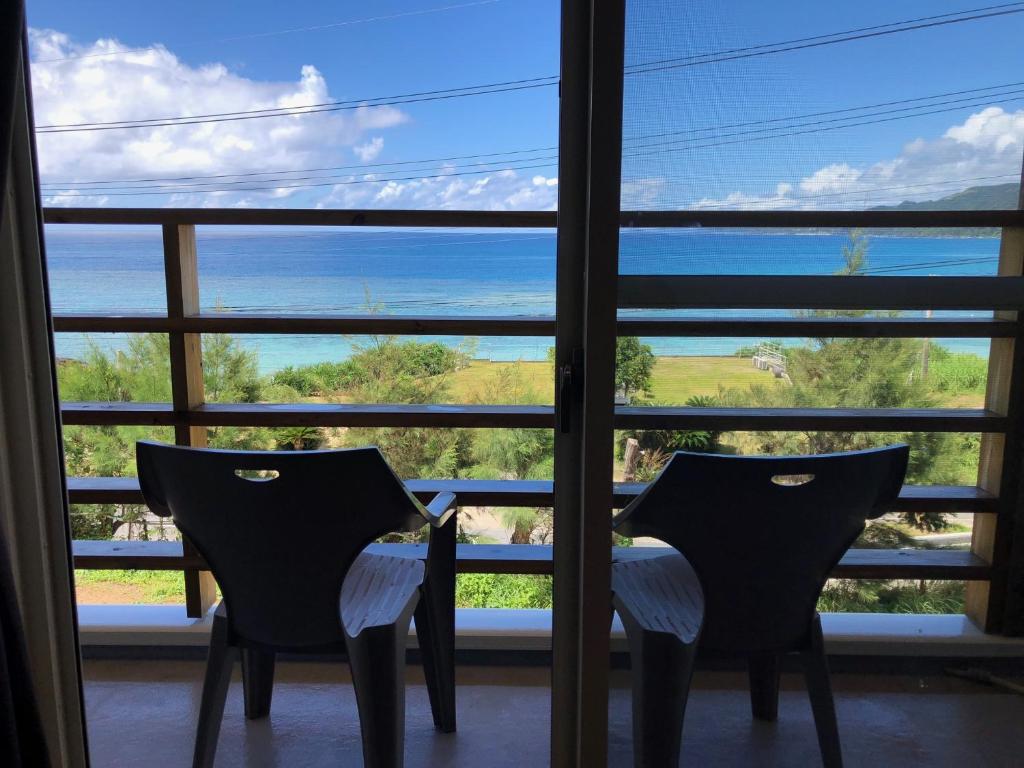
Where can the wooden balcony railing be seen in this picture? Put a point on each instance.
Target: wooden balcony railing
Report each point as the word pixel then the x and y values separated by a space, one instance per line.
pixel 994 500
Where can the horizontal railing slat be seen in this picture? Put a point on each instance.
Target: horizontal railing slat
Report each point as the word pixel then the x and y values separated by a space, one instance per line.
pixel 537 559
pixel 309 414
pixel 133 555
pixel 822 219
pixel 819 292
pixel 819 327
pixel 127 413
pixel 302 217
pixel 354 415
pixel 539 493
pixel 879 563
pixel 543 219
pixel 785 327
pixel 801 419
pixel 532 416
pixel 239 323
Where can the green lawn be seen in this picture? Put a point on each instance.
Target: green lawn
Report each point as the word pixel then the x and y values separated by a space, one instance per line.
pixel 675 378
pixel 470 383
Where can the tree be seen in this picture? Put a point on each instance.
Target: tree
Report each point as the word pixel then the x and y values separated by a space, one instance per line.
pixel 230 373
pixel 142 373
pixel 388 370
pixel 859 373
pixel 855 254
pixel 634 363
pixel 513 454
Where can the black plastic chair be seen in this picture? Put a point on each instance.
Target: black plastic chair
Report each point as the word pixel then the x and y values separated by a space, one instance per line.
pixel 759 536
pixel 284 533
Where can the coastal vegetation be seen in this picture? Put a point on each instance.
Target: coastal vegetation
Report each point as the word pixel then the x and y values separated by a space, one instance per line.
pixel 825 372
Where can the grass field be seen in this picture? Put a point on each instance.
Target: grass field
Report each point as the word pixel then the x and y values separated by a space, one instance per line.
pixel 675 379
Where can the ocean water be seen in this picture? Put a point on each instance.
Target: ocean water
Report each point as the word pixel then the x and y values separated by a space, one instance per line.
pixel 507 273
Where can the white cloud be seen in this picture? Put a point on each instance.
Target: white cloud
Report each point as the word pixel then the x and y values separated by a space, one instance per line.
pixel 72 198
pixel 155 83
pixel 991 128
pixel 72 85
pixel 369 151
pixel 832 178
pixel 642 192
pixel 741 200
pixel 497 191
pixel 986 148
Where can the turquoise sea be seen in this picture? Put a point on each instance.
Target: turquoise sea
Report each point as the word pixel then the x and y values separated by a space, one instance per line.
pixel 498 272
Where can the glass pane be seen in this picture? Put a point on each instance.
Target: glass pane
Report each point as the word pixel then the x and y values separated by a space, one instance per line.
pixel 800 106
pixel 778 107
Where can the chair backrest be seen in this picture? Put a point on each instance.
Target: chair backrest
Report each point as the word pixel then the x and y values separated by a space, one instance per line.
pixel 764 532
pixel 279 546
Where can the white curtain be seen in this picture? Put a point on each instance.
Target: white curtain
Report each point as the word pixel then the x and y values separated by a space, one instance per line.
pixel 33 501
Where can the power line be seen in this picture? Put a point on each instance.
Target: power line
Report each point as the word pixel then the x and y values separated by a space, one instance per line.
pixel 792 133
pixel 337 106
pixel 1009 96
pixel 275 33
pixel 540 82
pixel 823 37
pixel 303 186
pixel 977 91
pixel 934 264
pixel 285 111
pixel 919 186
pixel 910 25
pixel 507 156
pixel 274 185
pixel 362 166
pixel 370 166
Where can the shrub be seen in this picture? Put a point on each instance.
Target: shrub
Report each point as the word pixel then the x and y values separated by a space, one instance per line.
pixel 893 596
pixel 320 378
pixel 502 590
pixel 669 441
pixel 957 372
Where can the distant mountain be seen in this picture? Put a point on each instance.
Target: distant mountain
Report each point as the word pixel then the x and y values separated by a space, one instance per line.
pixel 994 197
pixel 990 198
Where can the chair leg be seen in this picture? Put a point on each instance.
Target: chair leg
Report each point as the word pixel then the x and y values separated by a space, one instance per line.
pixel 376 657
pixel 662 668
pixel 436 635
pixel 219 663
pixel 257 681
pixel 819 688
pixel 435 625
pixel 764 669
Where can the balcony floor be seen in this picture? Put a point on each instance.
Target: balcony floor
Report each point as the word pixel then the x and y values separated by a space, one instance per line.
pixel 143 713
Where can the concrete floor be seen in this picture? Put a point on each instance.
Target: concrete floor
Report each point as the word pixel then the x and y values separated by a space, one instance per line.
pixel 142 713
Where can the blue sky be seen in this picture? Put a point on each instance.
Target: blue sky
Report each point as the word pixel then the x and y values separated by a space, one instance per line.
pixel 401 47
